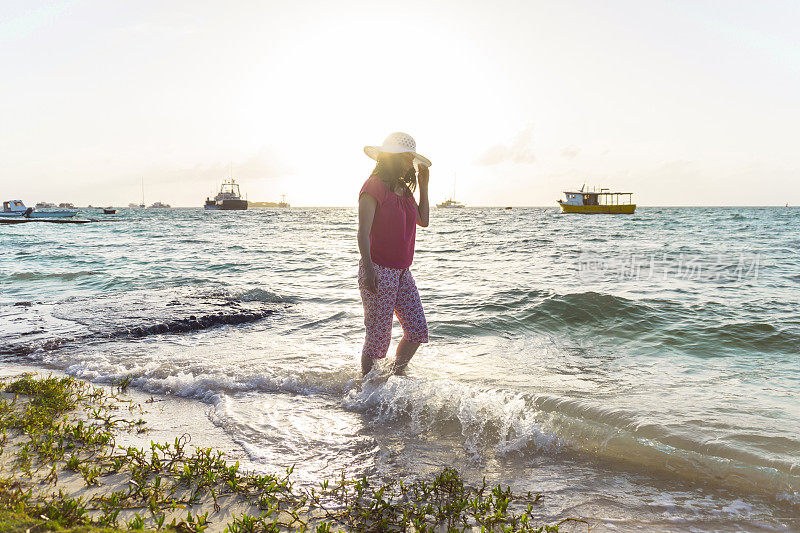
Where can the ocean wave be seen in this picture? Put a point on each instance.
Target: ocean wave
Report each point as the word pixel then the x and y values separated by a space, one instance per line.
pixel 484 417
pixel 490 422
pixel 568 308
pixel 651 321
pixel 201 380
pixel 62 276
pixel 503 422
pixel 519 311
pixel 258 295
pixel 759 336
pixel 587 307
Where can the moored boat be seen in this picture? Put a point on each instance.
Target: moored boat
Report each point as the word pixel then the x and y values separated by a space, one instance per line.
pixel 596 202
pixel 229 198
pixel 159 205
pixel 16 208
pixel 450 204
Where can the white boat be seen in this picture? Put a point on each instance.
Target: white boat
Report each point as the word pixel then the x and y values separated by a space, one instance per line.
pixel 15 208
pixel 451 203
pixel 159 205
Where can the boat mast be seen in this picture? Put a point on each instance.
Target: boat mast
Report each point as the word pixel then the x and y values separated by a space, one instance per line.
pixel 143 191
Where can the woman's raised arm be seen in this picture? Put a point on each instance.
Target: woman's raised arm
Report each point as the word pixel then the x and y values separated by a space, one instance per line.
pixel 423 209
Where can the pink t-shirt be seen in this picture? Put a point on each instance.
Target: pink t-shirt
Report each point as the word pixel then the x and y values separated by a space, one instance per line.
pixel 394 227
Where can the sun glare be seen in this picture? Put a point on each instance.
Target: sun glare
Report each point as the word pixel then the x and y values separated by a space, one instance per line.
pixel 339 85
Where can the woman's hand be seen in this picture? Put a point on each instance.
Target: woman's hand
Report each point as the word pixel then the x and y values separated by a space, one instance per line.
pixel 370 279
pixel 423 177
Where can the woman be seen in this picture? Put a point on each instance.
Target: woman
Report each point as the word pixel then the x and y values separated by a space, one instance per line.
pixel 387 220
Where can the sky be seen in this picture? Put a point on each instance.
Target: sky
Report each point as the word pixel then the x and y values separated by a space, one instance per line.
pixel 681 103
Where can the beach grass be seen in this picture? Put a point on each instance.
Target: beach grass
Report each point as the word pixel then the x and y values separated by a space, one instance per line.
pixel 63 471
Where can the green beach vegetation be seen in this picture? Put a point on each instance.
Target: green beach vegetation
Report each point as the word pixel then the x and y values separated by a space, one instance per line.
pixel 63 471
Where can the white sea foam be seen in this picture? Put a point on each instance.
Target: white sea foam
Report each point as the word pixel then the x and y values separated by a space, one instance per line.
pixel 739 508
pixel 489 421
pixel 789 497
pixel 258 294
pixel 501 420
pixel 203 380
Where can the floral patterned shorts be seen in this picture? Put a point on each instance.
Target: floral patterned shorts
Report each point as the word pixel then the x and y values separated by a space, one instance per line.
pixel 397 294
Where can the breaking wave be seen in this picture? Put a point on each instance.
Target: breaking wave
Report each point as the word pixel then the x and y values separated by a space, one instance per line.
pixel 489 422
pixel 656 321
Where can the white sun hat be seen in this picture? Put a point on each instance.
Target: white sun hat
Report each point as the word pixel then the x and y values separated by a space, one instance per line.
pixel 398 143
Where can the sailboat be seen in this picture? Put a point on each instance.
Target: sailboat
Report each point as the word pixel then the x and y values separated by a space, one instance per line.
pixel 141 205
pixel 451 203
pixel 155 205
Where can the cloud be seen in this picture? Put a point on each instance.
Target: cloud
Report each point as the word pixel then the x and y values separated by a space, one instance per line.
pixel 570 152
pixel 519 151
pixel 493 155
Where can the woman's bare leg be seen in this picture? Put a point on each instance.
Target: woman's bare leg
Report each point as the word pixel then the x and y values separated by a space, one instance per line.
pixel 366 364
pixel 405 351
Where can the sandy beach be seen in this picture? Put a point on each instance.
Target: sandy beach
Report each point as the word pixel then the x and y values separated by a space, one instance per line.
pixel 163 422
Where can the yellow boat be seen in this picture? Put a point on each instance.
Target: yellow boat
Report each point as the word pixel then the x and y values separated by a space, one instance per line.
pixel 597 202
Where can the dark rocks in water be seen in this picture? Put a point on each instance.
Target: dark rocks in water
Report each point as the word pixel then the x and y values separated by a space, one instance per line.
pixel 193 323
pixel 25 349
pixel 23 304
pixel 178 325
pixel 15 350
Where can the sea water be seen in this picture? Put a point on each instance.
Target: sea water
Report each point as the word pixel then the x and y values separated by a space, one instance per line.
pixel 642 372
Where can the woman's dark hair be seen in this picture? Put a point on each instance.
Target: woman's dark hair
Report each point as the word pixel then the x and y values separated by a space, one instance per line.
pixel 389 171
